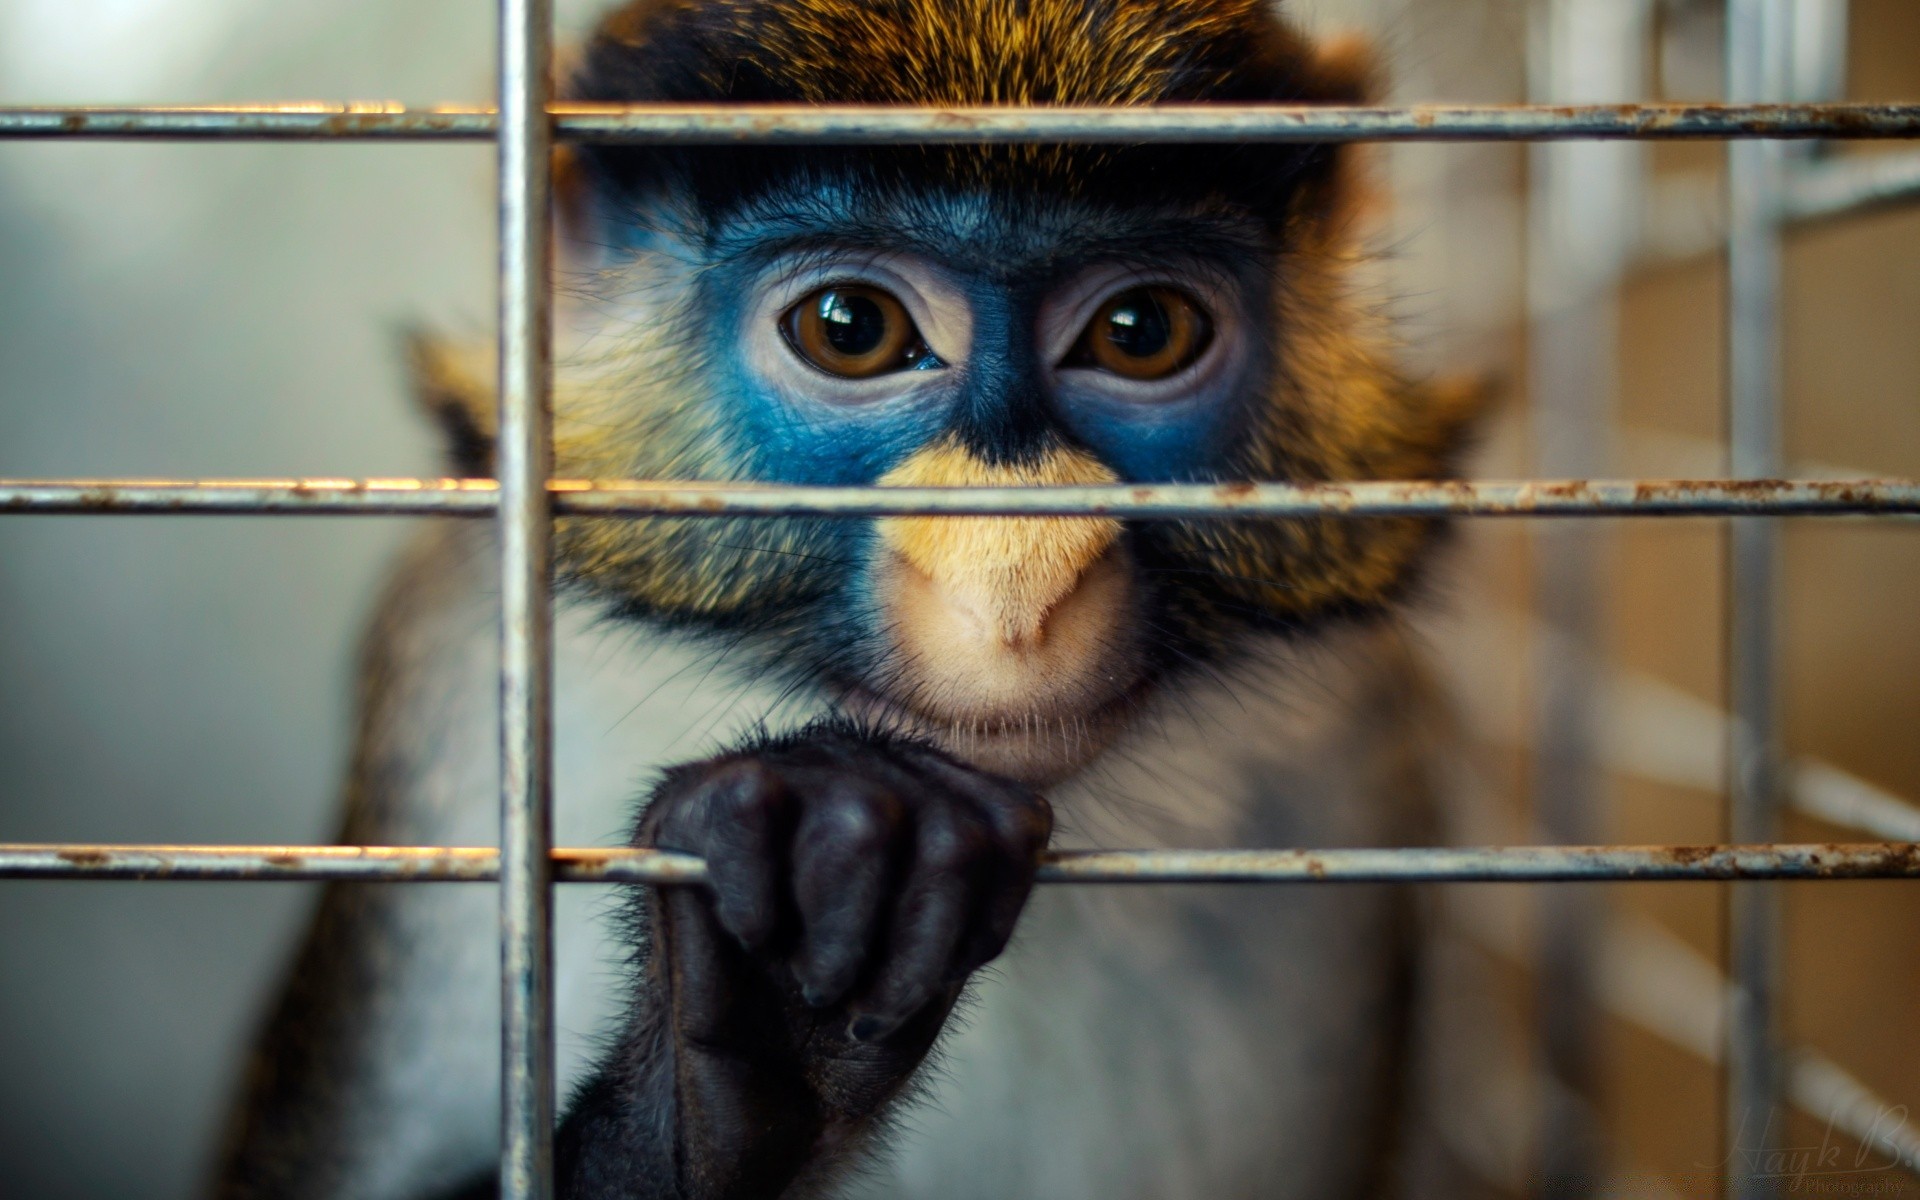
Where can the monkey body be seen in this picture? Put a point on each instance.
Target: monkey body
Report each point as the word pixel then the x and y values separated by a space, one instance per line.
pixel 1160 1042
pixel 871 729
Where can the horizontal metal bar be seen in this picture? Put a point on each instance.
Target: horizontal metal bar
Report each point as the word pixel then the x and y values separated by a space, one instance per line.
pixel 1830 189
pixel 480 497
pixel 710 124
pixel 236 497
pixel 472 864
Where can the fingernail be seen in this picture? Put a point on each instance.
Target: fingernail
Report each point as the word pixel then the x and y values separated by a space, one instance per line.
pixel 868 1028
pixel 816 997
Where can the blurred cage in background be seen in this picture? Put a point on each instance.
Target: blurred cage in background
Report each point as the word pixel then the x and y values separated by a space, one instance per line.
pixel 1617 194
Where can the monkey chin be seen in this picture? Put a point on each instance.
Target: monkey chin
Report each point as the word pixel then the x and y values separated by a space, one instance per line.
pixel 1036 749
pixel 1035 701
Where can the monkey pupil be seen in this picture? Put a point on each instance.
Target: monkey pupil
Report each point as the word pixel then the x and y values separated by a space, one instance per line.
pixel 1138 325
pixel 855 325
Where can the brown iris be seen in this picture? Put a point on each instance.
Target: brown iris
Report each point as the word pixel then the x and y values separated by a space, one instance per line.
pixel 1144 333
pixel 854 331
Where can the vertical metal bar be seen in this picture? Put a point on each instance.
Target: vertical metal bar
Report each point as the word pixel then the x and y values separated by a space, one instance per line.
pixel 1583 199
pixel 1758 44
pixel 1817 53
pixel 526 666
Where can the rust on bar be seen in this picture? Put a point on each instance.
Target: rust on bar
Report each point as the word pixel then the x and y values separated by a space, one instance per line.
pixel 636 498
pixel 1519 864
pixel 856 124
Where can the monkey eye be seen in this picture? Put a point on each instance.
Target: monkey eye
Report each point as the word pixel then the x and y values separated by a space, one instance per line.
pixel 1144 333
pixel 855 331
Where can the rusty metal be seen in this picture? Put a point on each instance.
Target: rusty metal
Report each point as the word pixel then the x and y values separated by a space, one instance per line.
pixel 845 124
pixel 636 498
pixel 1582 201
pixel 161 862
pixel 1758 66
pixel 1495 864
pixel 525 510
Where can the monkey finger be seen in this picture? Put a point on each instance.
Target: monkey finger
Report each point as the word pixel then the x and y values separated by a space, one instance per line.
pixel 1001 900
pixel 928 924
pixel 702 967
pixel 1021 818
pixel 843 849
pixel 747 818
pixel 1021 822
pixel 918 968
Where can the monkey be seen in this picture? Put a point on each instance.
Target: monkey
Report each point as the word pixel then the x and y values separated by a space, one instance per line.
pixel 872 729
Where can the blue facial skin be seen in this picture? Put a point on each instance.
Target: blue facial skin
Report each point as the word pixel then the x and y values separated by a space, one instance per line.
pixel 1001 398
pixel 812 443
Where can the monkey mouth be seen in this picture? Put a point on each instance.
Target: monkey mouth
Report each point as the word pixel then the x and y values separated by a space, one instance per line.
pixel 1034 747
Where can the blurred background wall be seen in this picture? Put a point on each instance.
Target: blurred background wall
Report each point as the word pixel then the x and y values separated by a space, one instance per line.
pixel 194 310
pixel 178 310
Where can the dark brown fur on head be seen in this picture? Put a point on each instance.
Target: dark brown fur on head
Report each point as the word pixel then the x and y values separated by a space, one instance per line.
pixel 967 52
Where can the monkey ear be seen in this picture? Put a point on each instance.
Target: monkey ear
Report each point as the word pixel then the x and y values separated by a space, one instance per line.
pixel 1346 70
pixel 1456 412
pixel 570 208
pixel 450 383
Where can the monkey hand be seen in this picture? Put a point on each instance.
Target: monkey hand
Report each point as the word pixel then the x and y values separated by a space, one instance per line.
pixel 854 883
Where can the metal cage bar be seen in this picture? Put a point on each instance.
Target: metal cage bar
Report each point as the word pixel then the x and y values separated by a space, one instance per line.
pixel 1759 42
pixel 1817 191
pixel 693 123
pixel 526 603
pixel 1582 198
pixel 1484 864
pixel 1170 501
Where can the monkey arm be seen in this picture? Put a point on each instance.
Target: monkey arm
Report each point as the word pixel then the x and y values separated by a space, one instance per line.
pixel 374 1073
pixel 856 883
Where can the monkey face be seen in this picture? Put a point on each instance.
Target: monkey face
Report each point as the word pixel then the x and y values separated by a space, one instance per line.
pixel 978 315
pixel 990 343
pixel 864 333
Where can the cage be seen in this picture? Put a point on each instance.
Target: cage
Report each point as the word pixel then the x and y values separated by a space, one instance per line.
pixel 1615 232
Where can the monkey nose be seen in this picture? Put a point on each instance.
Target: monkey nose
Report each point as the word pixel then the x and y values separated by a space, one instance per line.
pixel 994 583
pixel 987 646
pixel 1000 607
pixel 1001 578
